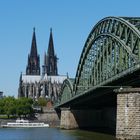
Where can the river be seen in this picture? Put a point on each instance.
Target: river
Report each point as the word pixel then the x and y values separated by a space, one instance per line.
pixel 50 134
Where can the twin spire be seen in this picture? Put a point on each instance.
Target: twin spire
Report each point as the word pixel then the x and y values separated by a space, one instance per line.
pixel 51 46
pixel 33 51
pixel 50 59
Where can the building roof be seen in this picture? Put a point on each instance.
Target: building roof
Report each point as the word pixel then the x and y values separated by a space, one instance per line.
pixel 52 79
pixel 31 78
pixel 38 78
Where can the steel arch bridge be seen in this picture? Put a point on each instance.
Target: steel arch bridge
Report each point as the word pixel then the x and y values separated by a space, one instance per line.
pixel 111 51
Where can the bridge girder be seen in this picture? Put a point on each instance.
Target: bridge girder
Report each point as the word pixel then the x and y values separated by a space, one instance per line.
pixel 111 51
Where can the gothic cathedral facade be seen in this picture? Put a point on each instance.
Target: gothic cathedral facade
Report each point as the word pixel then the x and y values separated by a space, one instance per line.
pixel 35 84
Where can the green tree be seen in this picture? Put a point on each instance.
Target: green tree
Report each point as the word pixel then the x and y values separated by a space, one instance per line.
pixel 11 106
pixel 24 106
pixel 1 106
pixel 42 102
pixel 9 103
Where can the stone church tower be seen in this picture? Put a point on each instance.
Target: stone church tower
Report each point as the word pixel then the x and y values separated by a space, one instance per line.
pixel 33 66
pixel 50 60
pixel 33 84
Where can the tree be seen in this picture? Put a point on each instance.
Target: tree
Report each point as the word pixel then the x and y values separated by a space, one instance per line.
pixel 1 106
pixel 42 102
pixel 24 106
pixel 11 106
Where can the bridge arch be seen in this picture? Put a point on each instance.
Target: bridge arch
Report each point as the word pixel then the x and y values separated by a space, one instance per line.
pixel 112 50
pixel 66 90
pixel 110 58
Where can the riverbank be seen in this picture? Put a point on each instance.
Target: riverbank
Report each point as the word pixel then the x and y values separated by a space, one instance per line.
pixel 48 116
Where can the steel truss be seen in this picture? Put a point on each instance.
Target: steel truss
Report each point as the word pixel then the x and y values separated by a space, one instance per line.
pixel 112 50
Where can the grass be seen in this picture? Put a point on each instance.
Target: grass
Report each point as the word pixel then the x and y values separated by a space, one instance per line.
pixel 6 117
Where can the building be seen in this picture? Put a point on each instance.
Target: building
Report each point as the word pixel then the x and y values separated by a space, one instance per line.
pixel 35 84
pixel 1 94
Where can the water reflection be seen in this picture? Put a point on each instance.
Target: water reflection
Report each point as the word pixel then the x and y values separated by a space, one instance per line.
pixel 87 135
pixel 50 134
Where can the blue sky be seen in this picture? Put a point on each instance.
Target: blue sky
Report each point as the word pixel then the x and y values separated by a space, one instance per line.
pixel 71 21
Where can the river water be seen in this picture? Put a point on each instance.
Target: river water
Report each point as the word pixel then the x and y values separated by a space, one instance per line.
pixel 50 134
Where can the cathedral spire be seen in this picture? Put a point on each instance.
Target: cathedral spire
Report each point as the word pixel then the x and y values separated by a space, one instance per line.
pixel 20 91
pixel 51 46
pixel 33 66
pixel 50 60
pixel 33 51
pixel 44 67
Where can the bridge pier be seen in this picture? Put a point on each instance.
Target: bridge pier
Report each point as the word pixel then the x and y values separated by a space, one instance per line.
pixel 67 119
pixel 128 114
pixel 72 119
pixel 88 119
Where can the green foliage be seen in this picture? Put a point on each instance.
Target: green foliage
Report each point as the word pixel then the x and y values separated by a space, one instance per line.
pixel 42 102
pixel 1 106
pixel 16 107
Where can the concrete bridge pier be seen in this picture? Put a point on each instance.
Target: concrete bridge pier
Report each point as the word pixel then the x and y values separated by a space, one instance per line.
pixel 128 114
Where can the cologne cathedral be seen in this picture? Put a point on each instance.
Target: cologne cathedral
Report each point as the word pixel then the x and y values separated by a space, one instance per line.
pixel 35 84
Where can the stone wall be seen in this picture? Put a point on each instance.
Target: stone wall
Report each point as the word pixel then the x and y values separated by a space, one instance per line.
pixel 128 114
pixel 68 120
pixel 49 116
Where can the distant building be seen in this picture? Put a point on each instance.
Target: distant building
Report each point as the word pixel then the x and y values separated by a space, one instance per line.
pixel 1 94
pixel 33 84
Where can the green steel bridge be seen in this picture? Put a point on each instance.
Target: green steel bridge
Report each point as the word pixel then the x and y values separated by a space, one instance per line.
pixel 110 59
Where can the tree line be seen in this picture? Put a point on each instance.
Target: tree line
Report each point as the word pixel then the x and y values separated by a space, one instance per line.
pixel 11 106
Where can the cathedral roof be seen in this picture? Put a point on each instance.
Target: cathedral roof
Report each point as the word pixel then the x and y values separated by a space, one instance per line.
pixel 53 79
pixel 38 78
pixel 31 78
